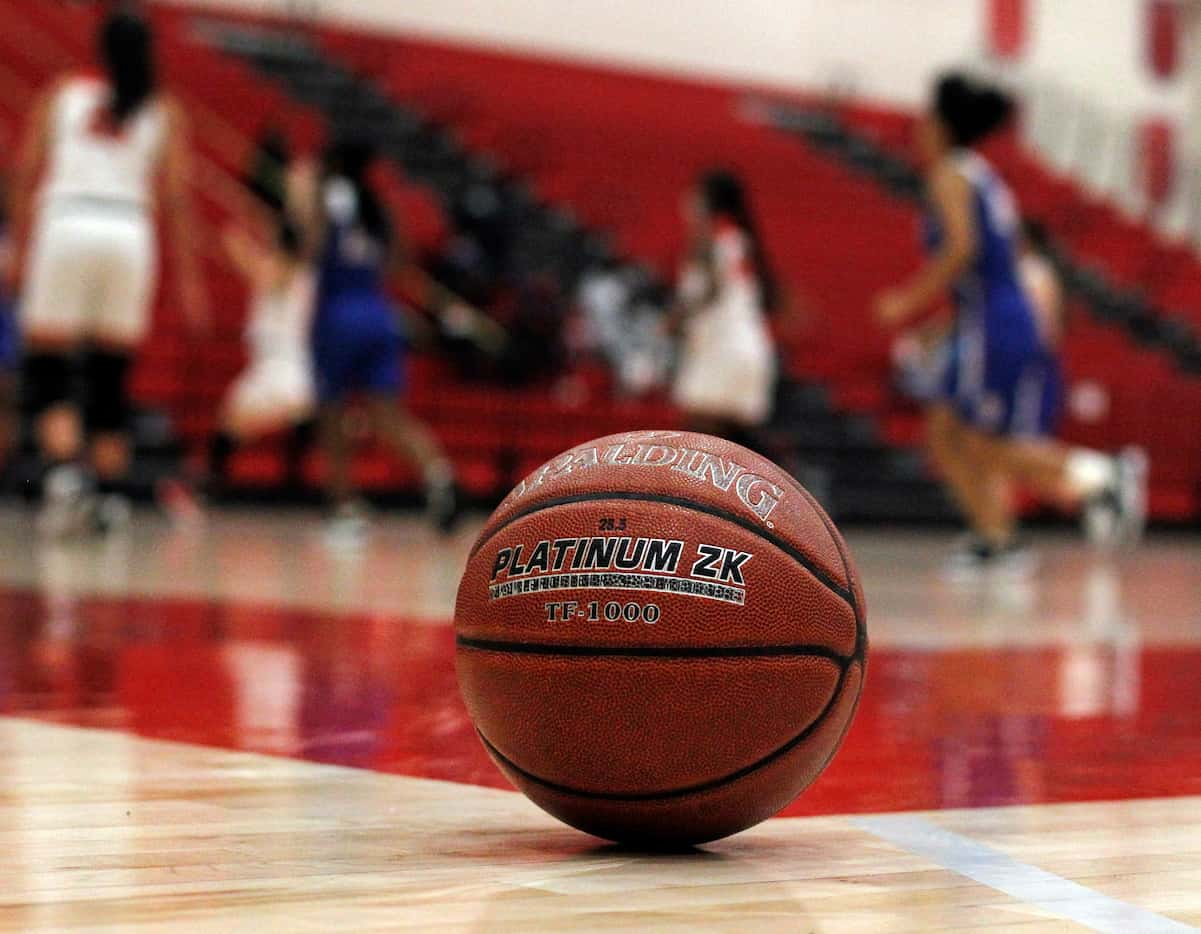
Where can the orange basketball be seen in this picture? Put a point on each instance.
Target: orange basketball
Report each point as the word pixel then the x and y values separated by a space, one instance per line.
pixel 660 637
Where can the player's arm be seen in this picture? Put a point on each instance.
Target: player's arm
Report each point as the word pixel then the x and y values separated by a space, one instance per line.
pixel 177 203
pixel 706 260
pixel 31 156
pixel 1056 307
pixel 688 300
pixel 951 194
pixel 248 258
pixel 456 316
pixel 303 200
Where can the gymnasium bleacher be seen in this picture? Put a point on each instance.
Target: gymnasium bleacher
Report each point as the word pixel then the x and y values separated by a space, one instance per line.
pixel 612 151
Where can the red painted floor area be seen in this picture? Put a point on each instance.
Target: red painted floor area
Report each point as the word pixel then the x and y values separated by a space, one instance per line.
pixel 935 729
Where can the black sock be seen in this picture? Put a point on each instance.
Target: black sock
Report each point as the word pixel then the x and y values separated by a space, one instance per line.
pixel 111 486
pixel 299 440
pixel 221 447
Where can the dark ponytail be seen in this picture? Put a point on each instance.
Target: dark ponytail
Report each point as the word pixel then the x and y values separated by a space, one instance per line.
pixel 349 159
pixel 969 110
pixel 126 47
pixel 725 196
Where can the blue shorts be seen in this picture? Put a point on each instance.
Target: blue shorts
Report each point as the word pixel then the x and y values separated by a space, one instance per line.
pixel 357 347
pixel 1010 389
pixel 921 376
pixel 10 338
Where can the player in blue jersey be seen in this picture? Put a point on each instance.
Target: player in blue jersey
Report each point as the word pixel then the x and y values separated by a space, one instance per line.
pixel 986 430
pixel 358 343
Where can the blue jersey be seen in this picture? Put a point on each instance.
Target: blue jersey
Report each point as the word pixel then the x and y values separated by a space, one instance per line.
pixel 998 375
pixel 353 259
pixel 988 296
pixel 357 344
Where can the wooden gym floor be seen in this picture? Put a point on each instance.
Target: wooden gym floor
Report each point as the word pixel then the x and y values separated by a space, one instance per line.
pixel 240 729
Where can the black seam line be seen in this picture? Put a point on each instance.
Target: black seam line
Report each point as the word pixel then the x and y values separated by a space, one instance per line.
pixel 818 574
pixel 691 789
pixel 860 625
pixel 654 651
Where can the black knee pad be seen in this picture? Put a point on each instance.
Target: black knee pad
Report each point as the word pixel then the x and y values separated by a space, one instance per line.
pixel 105 400
pixel 46 381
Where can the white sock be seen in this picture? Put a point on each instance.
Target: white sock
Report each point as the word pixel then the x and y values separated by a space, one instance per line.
pixel 1088 472
pixel 439 473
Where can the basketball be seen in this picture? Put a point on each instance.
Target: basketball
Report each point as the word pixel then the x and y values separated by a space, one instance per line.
pixel 660 638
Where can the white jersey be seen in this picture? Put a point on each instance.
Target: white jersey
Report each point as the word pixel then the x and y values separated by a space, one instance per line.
pixel 90 160
pixel 278 386
pixel 278 327
pixel 727 361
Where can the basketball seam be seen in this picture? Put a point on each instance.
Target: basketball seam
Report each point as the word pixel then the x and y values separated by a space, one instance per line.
pixel 702 787
pixel 835 538
pixel 847 596
pixel 654 651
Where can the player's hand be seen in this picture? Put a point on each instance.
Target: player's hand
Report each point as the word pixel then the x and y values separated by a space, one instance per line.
pixel 458 319
pixel 891 308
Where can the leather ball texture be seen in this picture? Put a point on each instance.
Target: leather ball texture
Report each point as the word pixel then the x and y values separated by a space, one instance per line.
pixel 660 638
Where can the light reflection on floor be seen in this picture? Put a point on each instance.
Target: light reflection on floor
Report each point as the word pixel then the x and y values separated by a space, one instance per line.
pixel 1082 683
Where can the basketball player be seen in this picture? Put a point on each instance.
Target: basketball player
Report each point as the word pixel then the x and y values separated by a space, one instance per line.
pixel 113 149
pixel 276 388
pixel 727 367
pixel 995 389
pixel 357 340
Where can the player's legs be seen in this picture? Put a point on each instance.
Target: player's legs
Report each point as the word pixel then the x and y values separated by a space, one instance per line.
pixel 335 445
pixel 1077 475
pixel 266 398
pixel 47 378
pixel 120 313
pixel 347 525
pixel 298 443
pixel 1004 440
pixel 412 440
pixel 105 371
pixel 381 373
pixel 52 320
pixel 981 488
pixel 334 359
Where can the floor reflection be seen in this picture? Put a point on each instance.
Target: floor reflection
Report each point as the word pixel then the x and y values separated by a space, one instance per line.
pixel 1090 714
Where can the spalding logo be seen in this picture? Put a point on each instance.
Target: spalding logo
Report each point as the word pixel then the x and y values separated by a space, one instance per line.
pixel 652 449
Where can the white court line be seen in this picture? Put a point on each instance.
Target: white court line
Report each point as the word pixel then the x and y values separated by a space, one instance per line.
pixel 1019 880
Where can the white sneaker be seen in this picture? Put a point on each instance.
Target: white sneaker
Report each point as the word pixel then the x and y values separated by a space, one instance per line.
pixel 347 528
pixel 1117 516
pixel 112 513
pixel 442 503
pixel 64 502
pixel 1133 468
pixel 974 558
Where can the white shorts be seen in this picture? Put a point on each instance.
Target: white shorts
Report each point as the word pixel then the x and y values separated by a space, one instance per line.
pixel 270 389
pixel 733 380
pixel 92 275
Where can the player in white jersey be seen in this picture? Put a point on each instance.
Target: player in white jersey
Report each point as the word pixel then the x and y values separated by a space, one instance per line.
pixel 727 363
pixel 109 151
pixel 276 390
